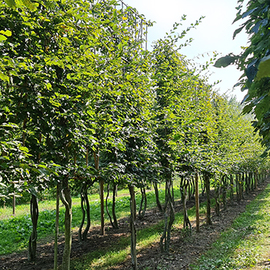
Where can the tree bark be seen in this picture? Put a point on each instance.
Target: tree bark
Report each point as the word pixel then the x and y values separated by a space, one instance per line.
pixel 14 203
pixel 168 213
pixel 157 197
pixel 101 194
pixel 224 190
pixel 32 247
pixel 66 200
pixel 217 194
pixel 237 184
pixel 85 206
pixel 113 207
pixel 186 219
pixel 143 203
pixel 133 228
pixel 256 180
pixel 107 208
pixel 231 187
pixel 197 202
pixel 208 199
pixel 56 227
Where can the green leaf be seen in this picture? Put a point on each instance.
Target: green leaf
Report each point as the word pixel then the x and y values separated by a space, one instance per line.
pixel 264 68
pixel 225 61
pixel 237 31
pixel 2 38
pixel 7 33
pixel 29 4
pixel 248 12
pixel 11 3
pixel 3 77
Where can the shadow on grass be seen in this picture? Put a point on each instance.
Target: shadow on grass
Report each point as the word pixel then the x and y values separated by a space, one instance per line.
pixel 239 245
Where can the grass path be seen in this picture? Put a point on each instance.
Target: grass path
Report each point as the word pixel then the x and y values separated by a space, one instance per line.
pixel 246 245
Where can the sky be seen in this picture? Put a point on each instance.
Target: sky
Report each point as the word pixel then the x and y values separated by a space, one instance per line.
pixel 213 34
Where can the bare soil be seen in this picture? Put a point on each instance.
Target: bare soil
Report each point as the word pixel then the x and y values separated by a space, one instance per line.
pixel 185 250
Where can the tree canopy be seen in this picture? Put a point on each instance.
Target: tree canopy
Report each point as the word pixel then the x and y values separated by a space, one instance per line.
pixel 254 61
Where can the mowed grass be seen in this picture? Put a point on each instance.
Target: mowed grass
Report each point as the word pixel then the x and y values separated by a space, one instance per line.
pixel 15 230
pixel 246 245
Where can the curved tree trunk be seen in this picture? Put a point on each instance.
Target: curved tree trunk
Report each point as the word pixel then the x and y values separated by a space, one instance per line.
pixel 32 244
pixel 157 197
pixel 107 208
pixel 85 206
pixel 169 213
pixel 66 200
pixel 143 204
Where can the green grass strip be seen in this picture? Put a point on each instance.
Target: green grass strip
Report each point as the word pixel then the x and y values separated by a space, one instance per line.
pixel 246 244
pixel 15 231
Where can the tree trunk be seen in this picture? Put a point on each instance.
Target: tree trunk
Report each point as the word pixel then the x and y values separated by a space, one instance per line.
pixel 101 195
pixel 238 189
pixel 14 203
pixel 256 180
pixel 197 202
pixel 241 185
pixel 113 207
pixel 186 219
pixel 66 200
pixel 217 193
pixel 132 227
pixel 173 201
pixel 107 208
pixel 143 204
pixel 224 190
pixel 231 187
pixel 168 213
pixel 252 180
pixel 56 227
pixel 208 199
pixel 85 206
pixel 157 197
pixel 32 246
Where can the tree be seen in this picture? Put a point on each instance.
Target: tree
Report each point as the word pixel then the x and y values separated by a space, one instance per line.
pixel 169 74
pixel 254 61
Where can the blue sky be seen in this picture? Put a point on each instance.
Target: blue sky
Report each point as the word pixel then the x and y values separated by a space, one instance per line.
pixel 213 34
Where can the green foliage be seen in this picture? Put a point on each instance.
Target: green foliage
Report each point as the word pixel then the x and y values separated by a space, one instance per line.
pixel 254 62
pixel 81 100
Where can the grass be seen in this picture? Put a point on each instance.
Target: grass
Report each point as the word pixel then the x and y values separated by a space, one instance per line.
pixel 246 244
pixel 118 253
pixel 15 230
